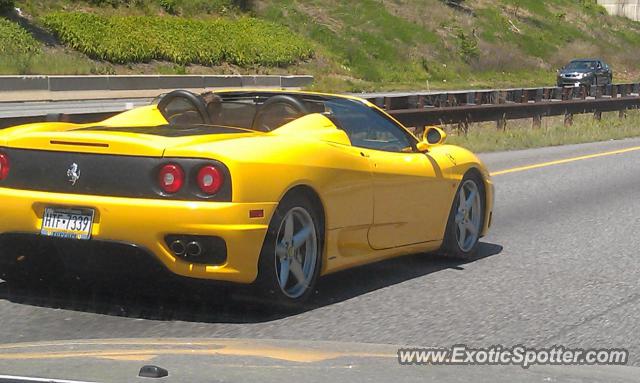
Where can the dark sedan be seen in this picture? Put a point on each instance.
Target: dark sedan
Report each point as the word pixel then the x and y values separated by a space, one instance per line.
pixel 585 72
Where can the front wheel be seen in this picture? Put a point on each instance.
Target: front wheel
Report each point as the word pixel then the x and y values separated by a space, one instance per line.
pixel 466 219
pixel 291 254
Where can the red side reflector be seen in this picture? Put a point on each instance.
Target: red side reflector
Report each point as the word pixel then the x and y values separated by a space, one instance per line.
pixel 256 213
pixel 4 166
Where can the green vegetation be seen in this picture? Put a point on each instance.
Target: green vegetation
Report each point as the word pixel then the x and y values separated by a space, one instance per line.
pixel 521 135
pixel 347 45
pixel 15 40
pixel 135 39
pixel 186 8
pixel 424 44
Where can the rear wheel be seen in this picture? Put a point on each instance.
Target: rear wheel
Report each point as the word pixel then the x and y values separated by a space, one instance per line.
pixel 291 254
pixel 466 219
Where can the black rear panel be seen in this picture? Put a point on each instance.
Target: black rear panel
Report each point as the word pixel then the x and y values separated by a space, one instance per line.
pixel 104 175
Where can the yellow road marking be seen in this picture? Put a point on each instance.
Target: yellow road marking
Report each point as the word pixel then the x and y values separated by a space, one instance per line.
pixel 300 356
pixel 564 161
pixel 143 350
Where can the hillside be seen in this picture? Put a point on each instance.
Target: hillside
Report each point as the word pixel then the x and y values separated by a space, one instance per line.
pixel 347 45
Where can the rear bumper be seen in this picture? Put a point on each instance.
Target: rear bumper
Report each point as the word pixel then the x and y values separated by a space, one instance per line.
pixel 145 223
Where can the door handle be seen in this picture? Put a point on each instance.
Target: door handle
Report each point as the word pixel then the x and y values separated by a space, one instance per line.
pixel 363 154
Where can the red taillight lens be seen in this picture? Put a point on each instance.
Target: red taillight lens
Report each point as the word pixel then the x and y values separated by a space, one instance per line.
pixel 171 178
pixel 210 179
pixel 4 166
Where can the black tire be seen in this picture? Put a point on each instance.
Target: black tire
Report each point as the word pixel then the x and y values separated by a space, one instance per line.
pixel 267 282
pixel 450 247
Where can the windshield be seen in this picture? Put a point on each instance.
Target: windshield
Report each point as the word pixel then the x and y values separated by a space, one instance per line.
pixel 581 65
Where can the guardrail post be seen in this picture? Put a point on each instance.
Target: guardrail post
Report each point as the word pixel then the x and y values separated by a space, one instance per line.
pixel 624 90
pixel 420 101
pixel 622 113
pixel 608 89
pixel 600 91
pixel 478 97
pixel 568 119
pixel 537 121
pixel 583 92
pixel 471 98
pixel 494 97
pixel 597 115
pixel 514 95
pixel 501 124
pixel 451 100
pixel 387 103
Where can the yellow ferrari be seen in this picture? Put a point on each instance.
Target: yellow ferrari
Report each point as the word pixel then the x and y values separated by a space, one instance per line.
pixel 265 187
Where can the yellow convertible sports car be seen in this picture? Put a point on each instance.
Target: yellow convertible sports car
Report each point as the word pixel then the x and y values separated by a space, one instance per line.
pixel 265 187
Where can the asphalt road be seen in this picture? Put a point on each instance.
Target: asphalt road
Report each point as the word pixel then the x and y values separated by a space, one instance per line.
pixel 561 266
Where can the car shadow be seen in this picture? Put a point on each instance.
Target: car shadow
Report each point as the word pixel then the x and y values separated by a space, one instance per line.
pixel 199 302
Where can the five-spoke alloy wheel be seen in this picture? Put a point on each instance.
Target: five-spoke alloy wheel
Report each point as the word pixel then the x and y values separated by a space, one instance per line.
pixel 291 255
pixel 296 252
pixel 466 219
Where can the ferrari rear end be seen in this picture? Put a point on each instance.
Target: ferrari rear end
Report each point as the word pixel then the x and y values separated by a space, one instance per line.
pixel 98 201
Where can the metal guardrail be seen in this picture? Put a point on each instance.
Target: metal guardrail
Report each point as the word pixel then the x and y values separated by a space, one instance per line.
pixel 418 110
pixel 501 105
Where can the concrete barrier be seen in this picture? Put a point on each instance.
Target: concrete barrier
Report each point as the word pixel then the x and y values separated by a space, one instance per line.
pixel 9 83
pixel 133 82
pixel 295 81
pixel 222 81
pixel 146 82
pixel 261 81
pixel 66 83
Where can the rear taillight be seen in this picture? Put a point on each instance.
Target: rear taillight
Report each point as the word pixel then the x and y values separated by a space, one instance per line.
pixel 210 179
pixel 4 166
pixel 171 178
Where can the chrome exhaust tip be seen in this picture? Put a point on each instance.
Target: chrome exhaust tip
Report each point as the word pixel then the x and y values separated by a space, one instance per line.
pixel 194 249
pixel 178 248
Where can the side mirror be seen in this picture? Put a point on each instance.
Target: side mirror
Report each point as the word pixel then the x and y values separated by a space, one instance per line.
pixel 431 136
pixel 434 135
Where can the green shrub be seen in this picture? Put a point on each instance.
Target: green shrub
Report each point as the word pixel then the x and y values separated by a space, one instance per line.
pixel 132 39
pixel 170 6
pixel 467 46
pixel 6 5
pixel 14 40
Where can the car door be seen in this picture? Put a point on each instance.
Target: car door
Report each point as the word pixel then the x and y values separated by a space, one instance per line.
pixel 409 189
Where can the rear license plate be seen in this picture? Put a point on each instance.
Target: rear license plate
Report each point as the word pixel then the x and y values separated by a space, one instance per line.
pixel 67 223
